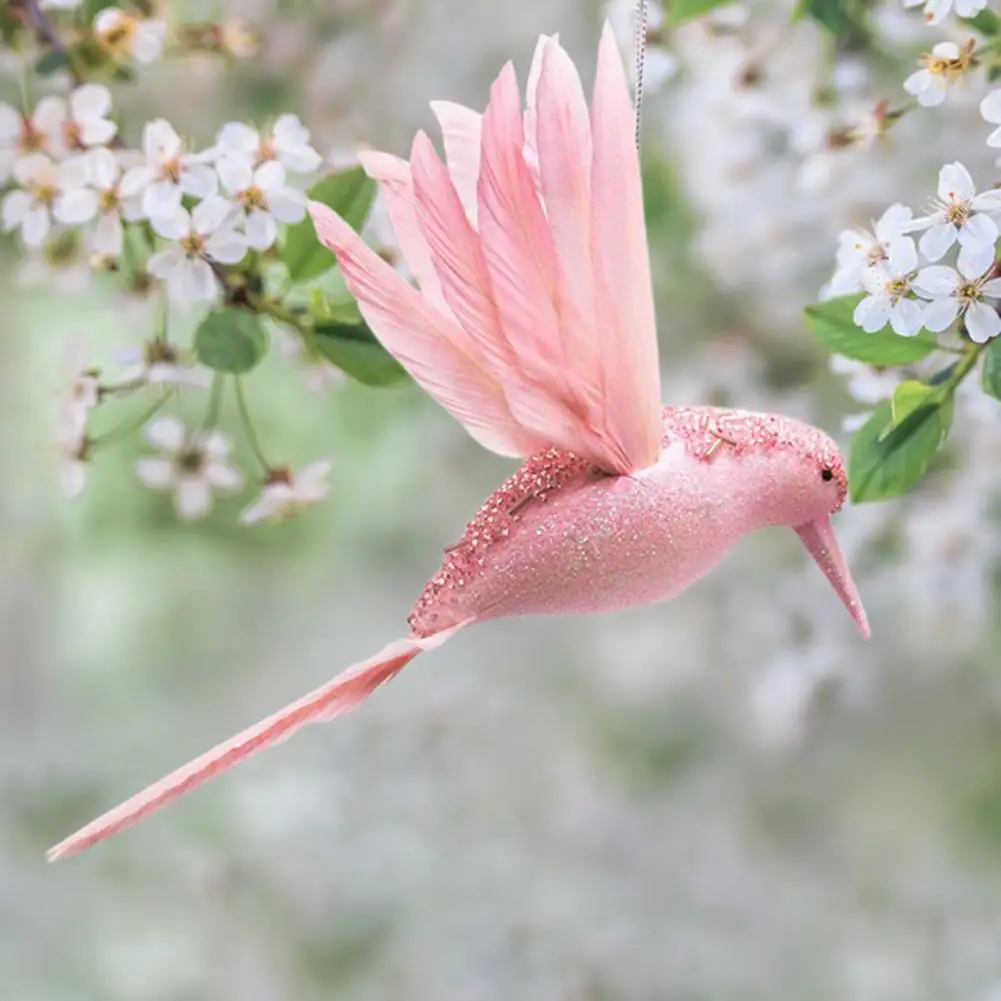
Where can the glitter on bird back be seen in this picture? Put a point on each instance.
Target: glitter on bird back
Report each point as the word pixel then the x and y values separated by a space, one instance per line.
pixel 533 483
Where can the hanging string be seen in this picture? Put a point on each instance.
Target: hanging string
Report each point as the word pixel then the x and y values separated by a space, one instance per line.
pixel 640 52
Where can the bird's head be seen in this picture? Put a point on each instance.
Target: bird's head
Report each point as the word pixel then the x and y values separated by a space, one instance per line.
pixel 805 485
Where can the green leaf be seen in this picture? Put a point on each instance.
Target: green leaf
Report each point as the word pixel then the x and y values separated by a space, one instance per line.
pixel 907 398
pixel 883 467
pixel 845 19
pixel 831 323
pixel 991 376
pixel 52 62
pixel 680 11
pixel 231 340
pixel 350 194
pixel 328 309
pixel 986 22
pixel 354 349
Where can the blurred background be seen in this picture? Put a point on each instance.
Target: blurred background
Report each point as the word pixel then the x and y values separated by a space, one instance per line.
pixel 729 796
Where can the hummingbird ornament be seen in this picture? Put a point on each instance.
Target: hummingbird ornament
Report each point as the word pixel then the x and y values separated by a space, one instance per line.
pixel 534 327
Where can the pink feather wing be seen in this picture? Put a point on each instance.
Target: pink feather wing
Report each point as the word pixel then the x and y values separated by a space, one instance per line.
pixel 458 256
pixel 427 343
pixel 622 286
pixel 461 131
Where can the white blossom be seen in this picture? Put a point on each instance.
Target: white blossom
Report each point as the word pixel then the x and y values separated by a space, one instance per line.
pixel 72 457
pixel 286 494
pixel 47 191
pixel 945 65
pixel 81 121
pixel 81 395
pixel 169 172
pixel 125 35
pixel 888 299
pixel 287 142
pixel 861 249
pixel 960 215
pixel 160 363
pixel 264 195
pixel 990 108
pixel 319 374
pixel 951 293
pixel 203 236
pixel 82 392
pixel 866 383
pixel 20 136
pixel 192 467
pixel 236 39
pixel 937 10
pixel 105 176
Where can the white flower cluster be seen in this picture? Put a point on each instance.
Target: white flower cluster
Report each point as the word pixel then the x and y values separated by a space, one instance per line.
pixel 884 264
pixel 63 171
pixel 936 11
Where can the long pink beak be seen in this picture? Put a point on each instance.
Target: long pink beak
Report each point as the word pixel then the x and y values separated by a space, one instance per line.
pixel 822 544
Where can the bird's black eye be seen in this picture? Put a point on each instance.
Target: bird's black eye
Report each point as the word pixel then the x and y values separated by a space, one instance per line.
pixel 827 474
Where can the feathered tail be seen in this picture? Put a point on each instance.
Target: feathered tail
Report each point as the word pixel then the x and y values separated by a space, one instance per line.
pixel 340 695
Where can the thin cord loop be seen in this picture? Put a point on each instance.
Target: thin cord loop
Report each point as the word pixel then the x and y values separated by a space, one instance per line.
pixel 639 47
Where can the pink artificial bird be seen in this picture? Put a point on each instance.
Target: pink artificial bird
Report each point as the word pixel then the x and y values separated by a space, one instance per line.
pixel 534 326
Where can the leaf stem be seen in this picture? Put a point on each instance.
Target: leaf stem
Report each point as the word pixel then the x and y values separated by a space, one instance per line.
pixel 248 427
pixel 46 30
pixel 215 401
pixel 132 424
pixel 963 368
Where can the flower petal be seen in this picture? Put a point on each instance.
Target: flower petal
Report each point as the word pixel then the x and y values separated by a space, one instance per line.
pixel 157 474
pixel 223 477
pixel 974 259
pixel 10 124
pixel 108 235
pixel 227 246
pixel 936 280
pixel 173 225
pixel 196 282
pixel 192 498
pixel 160 141
pixel 982 323
pixel 269 175
pixel 89 102
pixel 35 226
pixel 235 172
pixel 14 208
pixel 161 198
pixel 76 206
pixel 198 180
pixel 166 433
pixel 147 42
pixel 979 229
pixel 872 313
pixel 135 180
pixel 212 213
pixel 104 168
pixel 955 183
pixel 261 230
pixel 937 240
pixel 239 137
pixel 940 314
pixel 905 318
pixel 288 206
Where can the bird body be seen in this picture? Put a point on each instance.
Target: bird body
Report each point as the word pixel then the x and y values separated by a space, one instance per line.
pixel 560 537
pixel 533 325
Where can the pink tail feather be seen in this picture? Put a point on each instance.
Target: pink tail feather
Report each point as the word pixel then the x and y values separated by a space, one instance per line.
pixel 340 695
